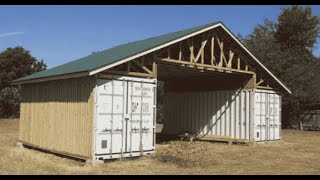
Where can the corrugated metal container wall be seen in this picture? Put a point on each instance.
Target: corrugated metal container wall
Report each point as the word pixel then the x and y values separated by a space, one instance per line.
pixel 222 113
pixel 58 116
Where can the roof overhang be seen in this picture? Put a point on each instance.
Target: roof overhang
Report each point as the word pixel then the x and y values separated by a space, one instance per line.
pixel 64 76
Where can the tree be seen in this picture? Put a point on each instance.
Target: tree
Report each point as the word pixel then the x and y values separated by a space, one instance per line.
pixel 262 44
pixel 14 64
pixel 297 27
pixel 285 47
pixel 10 102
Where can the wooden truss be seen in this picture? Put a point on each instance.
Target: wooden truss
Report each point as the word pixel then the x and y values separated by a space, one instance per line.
pixel 204 56
pixel 138 67
pixel 205 52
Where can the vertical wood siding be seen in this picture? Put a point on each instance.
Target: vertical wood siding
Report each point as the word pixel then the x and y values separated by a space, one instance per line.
pixel 58 116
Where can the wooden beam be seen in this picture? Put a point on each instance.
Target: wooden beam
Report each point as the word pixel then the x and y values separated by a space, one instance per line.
pixel 180 51
pixel 264 87
pixel 201 68
pixel 221 54
pixel 246 67
pixel 125 73
pixel 143 67
pixel 261 81
pixel 191 50
pixel 238 63
pixel 201 50
pixel 213 59
pixel 206 66
pixel 155 68
pixel 231 54
pixel 222 57
pixel 202 57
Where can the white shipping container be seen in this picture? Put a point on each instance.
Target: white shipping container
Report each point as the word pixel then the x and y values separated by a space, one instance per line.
pixel 240 114
pixel 124 117
pixel 222 113
pixel 267 114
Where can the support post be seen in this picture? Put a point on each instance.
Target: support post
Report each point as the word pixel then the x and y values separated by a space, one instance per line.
pixel 180 52
pixel 155 68
pixel 213 60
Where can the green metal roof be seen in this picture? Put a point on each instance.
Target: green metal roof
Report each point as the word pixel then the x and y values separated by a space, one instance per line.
pixel 112 55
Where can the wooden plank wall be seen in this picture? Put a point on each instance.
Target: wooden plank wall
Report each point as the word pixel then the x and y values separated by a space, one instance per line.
pixel 58 116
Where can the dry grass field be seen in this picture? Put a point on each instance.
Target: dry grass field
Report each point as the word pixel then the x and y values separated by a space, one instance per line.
pixel 298 153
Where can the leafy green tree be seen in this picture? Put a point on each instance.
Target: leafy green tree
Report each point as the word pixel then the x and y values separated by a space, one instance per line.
pixel 297 27
pixel 14 64
pixel 10 102
pixel 285 47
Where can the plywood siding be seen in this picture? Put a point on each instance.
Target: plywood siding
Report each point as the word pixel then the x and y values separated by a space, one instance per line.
pixel 58 115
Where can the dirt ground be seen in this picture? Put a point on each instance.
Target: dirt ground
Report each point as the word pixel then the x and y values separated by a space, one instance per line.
pixel 297 153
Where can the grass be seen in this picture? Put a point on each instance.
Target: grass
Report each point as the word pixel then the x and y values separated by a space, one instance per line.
pixel 298 153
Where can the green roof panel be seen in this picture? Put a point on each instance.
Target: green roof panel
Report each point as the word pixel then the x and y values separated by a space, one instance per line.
pixel 112 55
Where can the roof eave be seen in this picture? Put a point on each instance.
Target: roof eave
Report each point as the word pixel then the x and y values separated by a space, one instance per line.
pixel 51 78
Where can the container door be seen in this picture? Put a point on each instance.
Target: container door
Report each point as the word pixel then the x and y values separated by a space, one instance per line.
pixel 260 117
pixel 141 104
pixel 274 113
pixel 111 100
pixel 271 114
pixel 276 116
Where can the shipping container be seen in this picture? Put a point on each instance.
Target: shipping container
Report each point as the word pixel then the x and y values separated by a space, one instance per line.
pixel 240 114
pixel 267 116
pixel 125 117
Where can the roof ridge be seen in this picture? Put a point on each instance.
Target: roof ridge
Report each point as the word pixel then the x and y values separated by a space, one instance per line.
pixel 162 35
